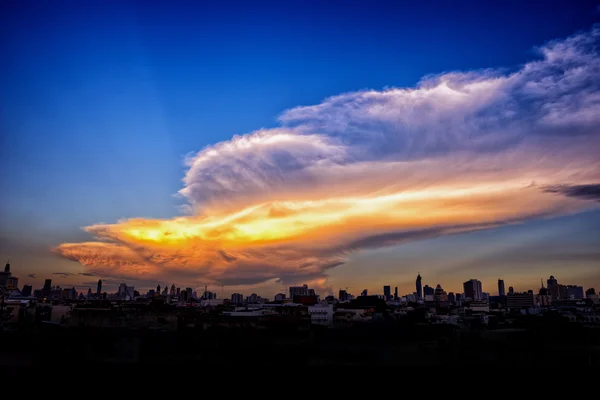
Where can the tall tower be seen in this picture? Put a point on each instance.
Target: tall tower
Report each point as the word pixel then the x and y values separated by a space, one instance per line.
pixel 501 290
pixel 7 267
pixel 99 288
pixel 419 287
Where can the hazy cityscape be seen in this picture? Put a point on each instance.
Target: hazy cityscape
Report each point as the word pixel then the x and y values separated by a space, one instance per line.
pixel 52 310
pixel 195 184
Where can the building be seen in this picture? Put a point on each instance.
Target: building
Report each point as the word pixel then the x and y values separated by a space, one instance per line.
pixel 451 298
pixel 173 290
pixel 27 290
pixel 419 287
pixel 472 289
pixel 552 284
pixel 298 291
pixel 501 291
pixel 527 300
pixel 364 293
pixel 280 297
pixel 99 288
pixel 343 296
pixel 575 292
pixel 237 298
pixel 440 295
pixel 396 293
pixel 321 314
pixel 387 293
pixel 427 291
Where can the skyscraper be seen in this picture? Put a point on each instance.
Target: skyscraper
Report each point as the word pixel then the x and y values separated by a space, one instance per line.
pixel 396 293
pixel 428 290
pixel 501 291
pixel 419 287
pixel 99 288
pixel 387 292
pixel 472 289
pixel 47 287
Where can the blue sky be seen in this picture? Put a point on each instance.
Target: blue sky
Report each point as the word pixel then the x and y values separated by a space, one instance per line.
pixel 101 101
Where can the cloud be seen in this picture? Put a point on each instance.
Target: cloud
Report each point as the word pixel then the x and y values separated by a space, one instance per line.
pixel 591 192
pixel 456 153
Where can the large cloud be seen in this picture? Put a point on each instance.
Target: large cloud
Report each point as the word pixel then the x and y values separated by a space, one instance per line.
pixel 461 151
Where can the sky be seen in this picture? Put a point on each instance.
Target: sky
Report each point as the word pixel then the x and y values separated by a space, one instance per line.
pixel 250 146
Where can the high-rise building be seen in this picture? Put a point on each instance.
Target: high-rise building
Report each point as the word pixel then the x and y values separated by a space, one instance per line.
pixel 387 292
pixel 4 276
pixel 396 293
pixel 419 287
pixel 451 297
pixel 122 291
pixel 501 291
pixel 472 289
pixel 343 296
pixel 26 290
pixel 511 290
pixel 575 292
pixel 298 291
pixel 552 286
pixel 428 291
pixel 172 293
pixel 99 288
pixel 237 298
pixel 47 287
pixel 440 295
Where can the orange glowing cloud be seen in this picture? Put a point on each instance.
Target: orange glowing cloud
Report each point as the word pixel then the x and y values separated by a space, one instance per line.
pixel 461 152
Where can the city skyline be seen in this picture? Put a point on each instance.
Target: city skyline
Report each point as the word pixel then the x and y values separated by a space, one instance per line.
pixel 154 149
pixel 385 293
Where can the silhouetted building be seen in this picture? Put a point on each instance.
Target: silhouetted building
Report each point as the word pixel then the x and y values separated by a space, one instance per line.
pixel 575 292
pixel 387 292
pixel 364 293
pixel 428 291
pixel 511 290
pixel 173 290
pixel 440 295
pixel 396 293
pixel 343 296
pixel 419 287
pixel 527 300
pixel 451 298
pixel 472 289
pixel 47 288
pixel 237 298
pixel 27 289
pixel 501 291
pixel 298 291
pixel 280 297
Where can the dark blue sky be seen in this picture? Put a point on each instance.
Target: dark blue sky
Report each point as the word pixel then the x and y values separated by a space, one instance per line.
pixel 101 100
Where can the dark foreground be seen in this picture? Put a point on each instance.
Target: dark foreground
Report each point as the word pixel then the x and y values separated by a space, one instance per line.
pixel 369 344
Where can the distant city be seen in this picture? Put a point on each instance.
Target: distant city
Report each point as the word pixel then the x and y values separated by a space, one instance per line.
pixel 427 327
pixel 322 310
